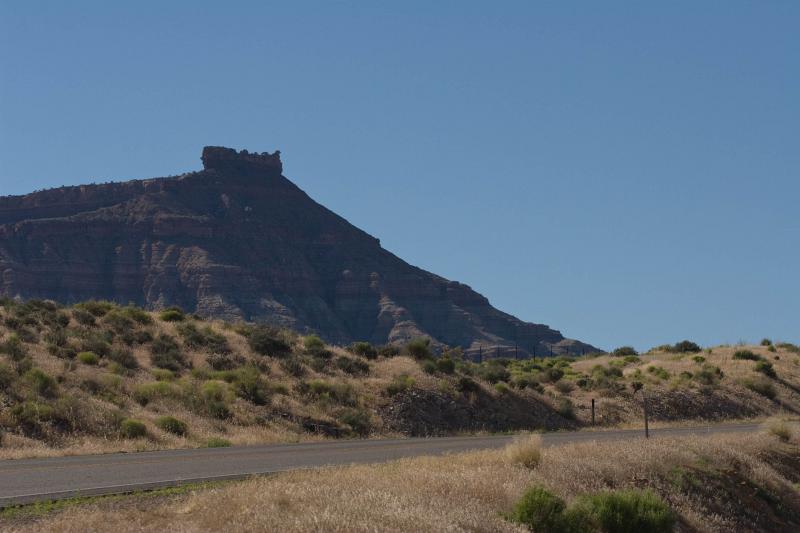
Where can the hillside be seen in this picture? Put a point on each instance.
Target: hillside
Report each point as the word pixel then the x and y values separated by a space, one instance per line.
pixel 100 377
pixel 239 241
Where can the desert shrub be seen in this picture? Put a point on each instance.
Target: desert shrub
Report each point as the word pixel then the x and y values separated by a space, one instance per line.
pixel 249 385
pixel 780 429
pixel 502 387
pixel 41 383
pixel 293 367
pixel 83 317
pixel 445 365
pixel 342 393
pixel 205 338
pixel 359 420
pixel 494 371
pixel 399 384
pixel 214 400
pixel 525 450
pixel 771 348
pixel 659 372
pixel 219 361
pixel 522 380
pixel 467 384
pixel 138 315
pixel 540 510
pixel 97 308
pixel 564 387
pixel 699 359
pixel 88 358
pixel 708 375
pixel 419 348
pixel 217 442
pixel 627 511
pixel 364 349
pixel 685 347
pixel 172 314
pixel 746 355
pixel 147 392
pixel 352 366
pixel 162 374
pixel 789 347
pixel 761 385
pixel 266 341
pixel 170 424
pixel 165 353
pixel 624 350
pixel 428 366
pixel 766 368
pixel 551 375
pixel 118 321
pixel 565 408
pixel 56 336
pixel 13 347
pixel 389 350
pixel 30 416
pixel 7 376
pixel 97 342
pixel 131 428
pixel 766 342
pixel 124 357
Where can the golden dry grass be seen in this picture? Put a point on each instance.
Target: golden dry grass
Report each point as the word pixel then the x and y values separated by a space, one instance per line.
pixel 464 492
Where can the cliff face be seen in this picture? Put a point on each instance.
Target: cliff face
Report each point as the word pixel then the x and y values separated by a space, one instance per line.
pixel 238 240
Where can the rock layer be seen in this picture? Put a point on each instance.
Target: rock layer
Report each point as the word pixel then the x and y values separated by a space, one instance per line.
pixel 238 240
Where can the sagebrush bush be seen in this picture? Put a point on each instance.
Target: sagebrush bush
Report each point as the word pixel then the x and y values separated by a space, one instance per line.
pixel 352 366
pixel 685 347
pixel 540 510
pixel 293 367
pixel 359 420
pixel 364 349
pixel 131 428
pixel 123 357
pixel 766 368
pixel 761 385
pixel 165 353
pixel 7 376
pixel 170 424
pixel 624 350
pixel 565 408
pixel 626 511
pixel 41 383
pixel 746 355
pixel 419 348
pixel 172 314
pixel 780 429
pixel 266 341
pixel 14 348
pixel 88 358
pixel 399 384
pixel 217 442
pixel 445 365
pixel 525 450
pixel 205 338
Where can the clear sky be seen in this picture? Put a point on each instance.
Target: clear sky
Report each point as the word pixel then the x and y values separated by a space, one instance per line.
pixel 626 172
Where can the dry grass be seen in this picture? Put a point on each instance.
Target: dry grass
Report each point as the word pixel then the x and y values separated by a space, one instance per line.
pixel 465 492
pixel 525 450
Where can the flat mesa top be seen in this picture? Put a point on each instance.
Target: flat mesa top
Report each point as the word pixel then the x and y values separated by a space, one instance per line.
pixel 222 158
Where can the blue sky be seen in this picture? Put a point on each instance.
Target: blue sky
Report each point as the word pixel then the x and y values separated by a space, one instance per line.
pixel 626 172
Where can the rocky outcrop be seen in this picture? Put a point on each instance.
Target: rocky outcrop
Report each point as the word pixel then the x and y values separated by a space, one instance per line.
pixel 238 240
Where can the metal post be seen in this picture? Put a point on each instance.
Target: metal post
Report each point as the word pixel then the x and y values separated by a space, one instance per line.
pixel 592 411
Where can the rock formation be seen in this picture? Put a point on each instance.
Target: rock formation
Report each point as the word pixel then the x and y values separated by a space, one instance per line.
pixel 238 240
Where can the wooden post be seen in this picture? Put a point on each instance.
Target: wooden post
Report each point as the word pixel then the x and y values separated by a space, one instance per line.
pixel 592 411
pixel 646 425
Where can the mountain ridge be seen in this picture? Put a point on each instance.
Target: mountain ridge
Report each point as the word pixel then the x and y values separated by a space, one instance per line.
pixel 238 240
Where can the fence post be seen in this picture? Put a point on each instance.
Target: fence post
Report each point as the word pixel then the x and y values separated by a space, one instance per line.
pixel 646 426
pixel 592 411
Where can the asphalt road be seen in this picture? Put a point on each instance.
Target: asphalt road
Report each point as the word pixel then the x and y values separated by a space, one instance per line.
pixel 30 480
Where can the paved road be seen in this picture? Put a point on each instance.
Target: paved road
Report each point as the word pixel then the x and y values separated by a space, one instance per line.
pixel 29 480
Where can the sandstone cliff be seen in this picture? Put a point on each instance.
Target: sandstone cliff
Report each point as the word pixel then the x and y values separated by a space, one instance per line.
pixel 238 240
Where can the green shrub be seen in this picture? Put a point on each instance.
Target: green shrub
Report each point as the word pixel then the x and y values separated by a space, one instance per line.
pixel 708 375
pixel 124 358
pixel 364 349
pixel 313 344
pixel 7 376
pixel 359 420
pixel 467 384
pixel 342 393
pixel 88 358
pixel 352 366
pixel 399 384
pixel 419 348
pixel 162 374
pixel 83 317
pixel 165 353
pixel 147 392
pixel 206 338
pixel 761 385
pixel 626 511
pixel 699 359
pixel 540 510
pixel 746 355
pixel 41 383
pixel 789 347
pixel 685 347
pixel 97 308
pixel 501 388
pixel 170 424
pixel 14 348
pixel 217 442
pixel 293 367
pixel 494 371
pixel 551 375
pixel 138 315
pixel 388 350
pixel 766 342
pixel 172 314
pixel 118 321
pixel 428 366
pixel 765 367
pixel 249 385
pixel 565 408
pixel 659 372
pixel 624 350
pixel 97 342
pixel 564 387
pixel 30 416
pixel 445 365
pixel 266 341
pixel 132 429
